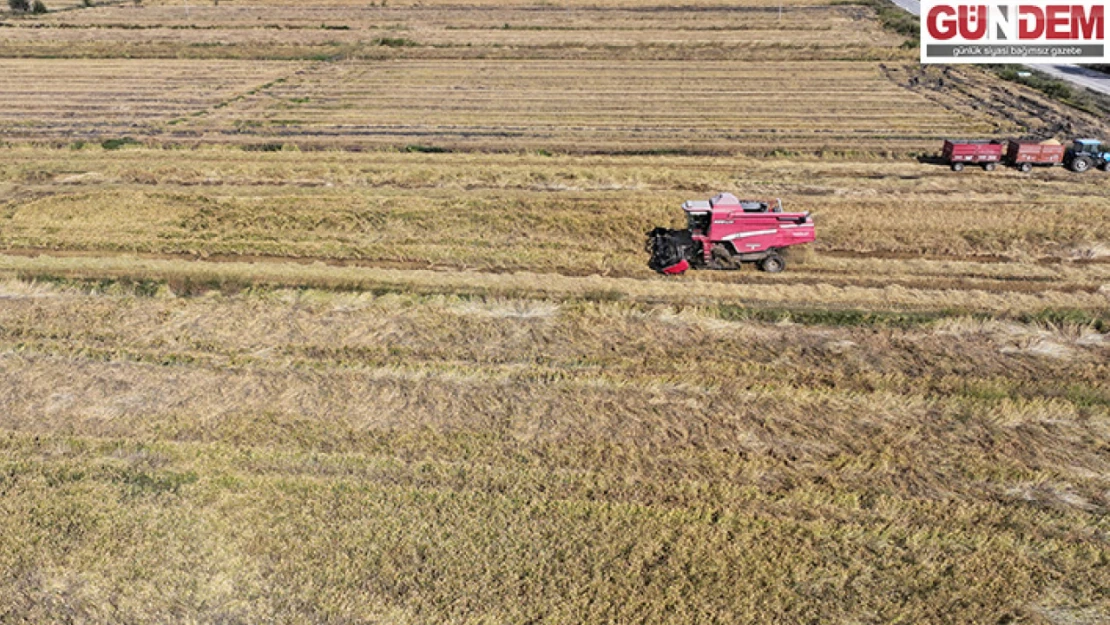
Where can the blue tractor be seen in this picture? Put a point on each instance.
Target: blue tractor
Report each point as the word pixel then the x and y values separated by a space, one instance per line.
pixel 1085 154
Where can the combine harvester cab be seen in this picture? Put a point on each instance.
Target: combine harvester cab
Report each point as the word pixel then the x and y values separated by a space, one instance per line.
pixel 724 233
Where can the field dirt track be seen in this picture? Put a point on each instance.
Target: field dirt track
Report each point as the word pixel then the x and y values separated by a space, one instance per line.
pixel 339 313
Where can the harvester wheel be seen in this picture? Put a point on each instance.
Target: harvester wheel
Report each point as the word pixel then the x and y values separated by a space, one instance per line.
pixel 989 167
pixel 773 263
pixel 957 166
pixel 1026 167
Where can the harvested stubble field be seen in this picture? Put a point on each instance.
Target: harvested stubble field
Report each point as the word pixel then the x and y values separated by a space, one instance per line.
pixel 403 385
pixel 486 105
pixel 597 78
pixel 478 405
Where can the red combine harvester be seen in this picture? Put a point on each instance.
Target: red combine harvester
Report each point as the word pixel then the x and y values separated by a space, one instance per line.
pixel 725 232
pixel 979 152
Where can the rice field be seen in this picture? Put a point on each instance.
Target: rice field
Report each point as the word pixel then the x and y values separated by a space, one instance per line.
pixel 606 78
pixel 510 211
pixel 307 456
pixel 339 313
pixel 362 30
pixel 591 106
pixel 110 99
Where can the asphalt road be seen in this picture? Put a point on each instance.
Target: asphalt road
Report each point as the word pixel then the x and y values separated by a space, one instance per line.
pixel 1076 75
pixel 913 6
pixel 1081 76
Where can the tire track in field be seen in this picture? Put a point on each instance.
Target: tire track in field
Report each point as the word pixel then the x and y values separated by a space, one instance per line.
pixel 944 278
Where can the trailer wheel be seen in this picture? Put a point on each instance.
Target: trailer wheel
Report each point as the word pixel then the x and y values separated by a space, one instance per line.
pixel 773 263
pixel 989 167
pixel 1026 167
pixel 957 166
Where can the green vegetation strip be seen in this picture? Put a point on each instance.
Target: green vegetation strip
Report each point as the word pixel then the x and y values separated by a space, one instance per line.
pixel 1099 321
pixel 1059 90
pixel 892 17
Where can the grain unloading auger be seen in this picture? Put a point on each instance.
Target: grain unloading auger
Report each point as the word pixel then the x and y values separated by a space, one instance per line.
pixel 724 233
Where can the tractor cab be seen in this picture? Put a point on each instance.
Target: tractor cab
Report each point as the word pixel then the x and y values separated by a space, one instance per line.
pixel 1085 154
pixel 1087 146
